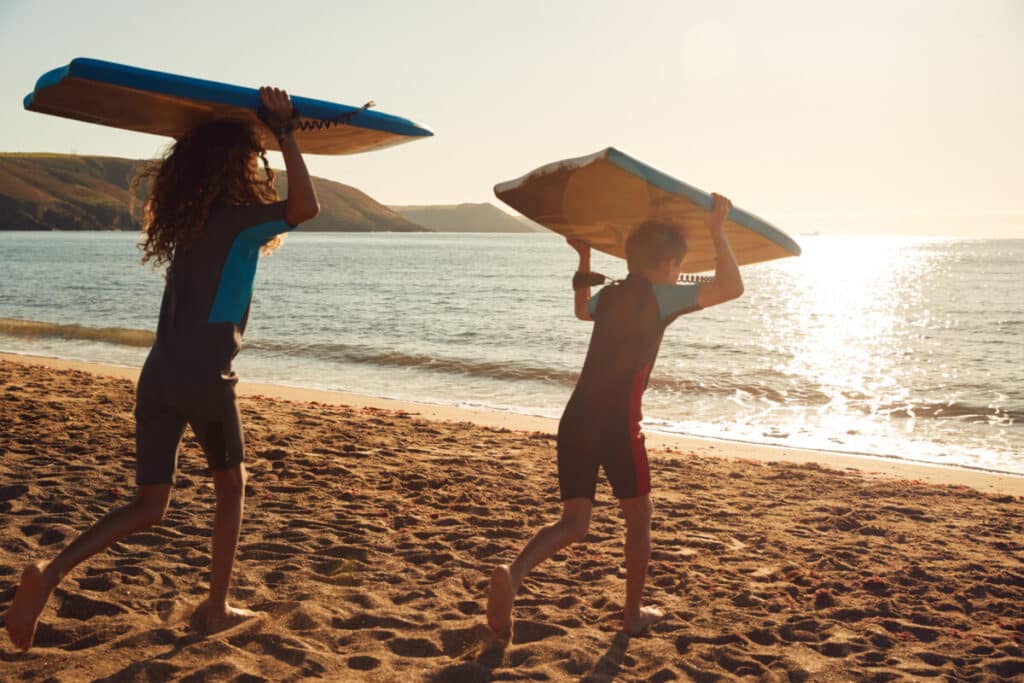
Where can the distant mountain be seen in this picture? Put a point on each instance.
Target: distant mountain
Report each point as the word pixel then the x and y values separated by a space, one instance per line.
pixel 530 225
pixel 466 218
pixel 70 192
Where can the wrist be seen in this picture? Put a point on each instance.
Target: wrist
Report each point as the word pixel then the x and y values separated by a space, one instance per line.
pixel 281 128
pixel 585 278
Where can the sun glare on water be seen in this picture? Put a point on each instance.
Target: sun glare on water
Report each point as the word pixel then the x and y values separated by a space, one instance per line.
pixel 848 316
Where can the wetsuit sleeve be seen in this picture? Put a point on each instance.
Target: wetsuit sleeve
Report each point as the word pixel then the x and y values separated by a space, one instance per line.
pixel 676 300
pixel 260 222
pixel 592 304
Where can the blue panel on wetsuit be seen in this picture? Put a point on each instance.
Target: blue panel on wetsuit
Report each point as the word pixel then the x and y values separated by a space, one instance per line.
pixel 592 305
pixel 235 287
pixel 673 300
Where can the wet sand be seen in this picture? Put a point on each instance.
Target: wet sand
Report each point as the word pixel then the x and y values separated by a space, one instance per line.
pixel 371 529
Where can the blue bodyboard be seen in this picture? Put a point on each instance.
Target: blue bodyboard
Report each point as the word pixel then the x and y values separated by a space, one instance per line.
pixel 160 103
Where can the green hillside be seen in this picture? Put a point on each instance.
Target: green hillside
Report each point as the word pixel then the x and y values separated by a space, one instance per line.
pixel 69 192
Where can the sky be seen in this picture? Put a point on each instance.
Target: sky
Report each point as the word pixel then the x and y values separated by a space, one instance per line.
pixel 874 117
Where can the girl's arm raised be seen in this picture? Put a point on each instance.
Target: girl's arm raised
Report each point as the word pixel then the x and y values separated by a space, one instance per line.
pixel 302 203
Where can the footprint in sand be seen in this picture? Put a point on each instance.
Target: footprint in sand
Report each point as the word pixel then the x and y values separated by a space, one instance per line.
pixel 531 631
pixel 154 637
pixel 99 583
pixel 363 621
pixel 363 663
pixel 12 491
pixel 83 608
pixel 50 636
pixel 414 647
pixel 144 671
pixel 287 650
pixel 470 608
pixel 97 639
pixel 735 661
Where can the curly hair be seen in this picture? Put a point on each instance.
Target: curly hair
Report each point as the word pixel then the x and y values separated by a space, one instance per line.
pixel 214 164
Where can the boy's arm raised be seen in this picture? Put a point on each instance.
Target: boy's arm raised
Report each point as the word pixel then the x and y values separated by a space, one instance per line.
pixel 302 203
pixel 581 294
pixel 728 283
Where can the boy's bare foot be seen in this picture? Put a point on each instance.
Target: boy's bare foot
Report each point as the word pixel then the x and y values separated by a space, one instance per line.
pixel 29 601
pixel 212 621
pixel 500 599
pixel 648 616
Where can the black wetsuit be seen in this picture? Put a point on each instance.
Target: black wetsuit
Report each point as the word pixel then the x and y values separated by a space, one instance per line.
pixel 187 377
pixel 601 423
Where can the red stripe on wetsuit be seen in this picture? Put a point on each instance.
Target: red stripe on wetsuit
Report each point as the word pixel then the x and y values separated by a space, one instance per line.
pixel 640 468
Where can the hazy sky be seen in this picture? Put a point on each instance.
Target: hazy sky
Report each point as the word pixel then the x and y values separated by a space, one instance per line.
pixel 869 116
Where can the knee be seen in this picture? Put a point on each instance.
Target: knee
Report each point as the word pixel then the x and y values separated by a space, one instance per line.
pixel 638 511
pixel 230 482
pixel 150 510
pixel 576 526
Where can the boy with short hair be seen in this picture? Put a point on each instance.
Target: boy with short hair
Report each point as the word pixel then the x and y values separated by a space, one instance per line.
pixel 601 423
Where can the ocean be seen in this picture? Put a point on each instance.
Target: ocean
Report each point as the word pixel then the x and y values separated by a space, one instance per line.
pixel 909 348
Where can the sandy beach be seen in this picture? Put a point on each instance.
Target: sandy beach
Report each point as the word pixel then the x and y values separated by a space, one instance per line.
pixel 371 526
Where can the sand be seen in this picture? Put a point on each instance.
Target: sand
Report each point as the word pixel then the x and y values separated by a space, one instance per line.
pixel 372 527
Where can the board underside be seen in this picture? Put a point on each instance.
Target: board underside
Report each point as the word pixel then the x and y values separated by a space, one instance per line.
pixel 602 197
pixel 166 104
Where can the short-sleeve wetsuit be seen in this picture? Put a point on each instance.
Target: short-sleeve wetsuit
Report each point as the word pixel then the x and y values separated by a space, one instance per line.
pixel 187 377
pixel 601 423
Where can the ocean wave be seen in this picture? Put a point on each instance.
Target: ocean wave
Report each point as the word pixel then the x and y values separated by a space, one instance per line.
pixel 111 335
pixel 353 353
pixel 964 412
pixel 778 389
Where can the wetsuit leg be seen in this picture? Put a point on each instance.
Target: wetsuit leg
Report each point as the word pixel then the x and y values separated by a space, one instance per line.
pixel 625 464
pixel 577 466
pixel 158 429
pixel 217 424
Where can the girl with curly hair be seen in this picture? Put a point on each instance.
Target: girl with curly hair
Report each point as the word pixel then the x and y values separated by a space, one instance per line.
pixel 211 210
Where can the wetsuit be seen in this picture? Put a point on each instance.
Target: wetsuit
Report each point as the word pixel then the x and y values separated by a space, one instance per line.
pixel 601 423
pixel 187 377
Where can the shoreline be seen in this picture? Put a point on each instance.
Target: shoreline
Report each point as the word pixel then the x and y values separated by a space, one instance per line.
pixel 888 467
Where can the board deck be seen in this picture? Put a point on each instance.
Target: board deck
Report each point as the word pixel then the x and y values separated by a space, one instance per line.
pixel 602 197
pixel 154 102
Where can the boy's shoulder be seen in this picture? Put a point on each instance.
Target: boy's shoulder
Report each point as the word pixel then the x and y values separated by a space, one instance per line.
pixel 676 299
pixel 612 292
pixel 673 300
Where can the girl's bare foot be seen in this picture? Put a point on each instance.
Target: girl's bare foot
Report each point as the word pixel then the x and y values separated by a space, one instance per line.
pixel 29 601
pixel 637 625
pixel 500 599
pixel 214 620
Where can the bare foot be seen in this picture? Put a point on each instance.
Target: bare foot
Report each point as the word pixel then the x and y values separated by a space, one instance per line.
pixel 500 599
pixel 648 616
pixel 211 621
pixel 23 615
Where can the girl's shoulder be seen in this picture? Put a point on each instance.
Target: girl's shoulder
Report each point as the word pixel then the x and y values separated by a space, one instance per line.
pixel 237 218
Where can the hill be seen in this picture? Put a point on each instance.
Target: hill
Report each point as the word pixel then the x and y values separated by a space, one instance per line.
pixel 465 218
pixel 70 192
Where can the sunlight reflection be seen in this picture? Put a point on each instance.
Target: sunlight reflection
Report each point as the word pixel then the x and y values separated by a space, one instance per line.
pixel 851 311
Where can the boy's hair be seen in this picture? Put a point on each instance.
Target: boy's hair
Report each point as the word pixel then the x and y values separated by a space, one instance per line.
pixel 213 164
pixel 651 243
